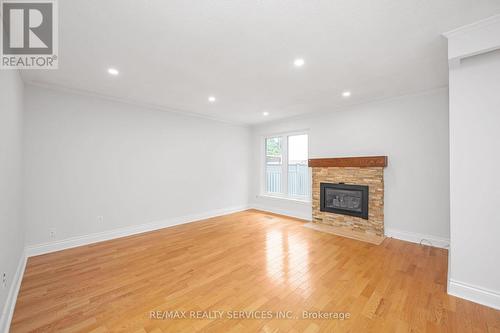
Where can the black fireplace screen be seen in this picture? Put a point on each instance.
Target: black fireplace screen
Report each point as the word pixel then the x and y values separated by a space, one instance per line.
pixel 344 199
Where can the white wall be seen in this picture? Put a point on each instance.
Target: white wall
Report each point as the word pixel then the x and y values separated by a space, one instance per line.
pixel 475 184
pixel 88 157
pixel 11 227
pixel 412 131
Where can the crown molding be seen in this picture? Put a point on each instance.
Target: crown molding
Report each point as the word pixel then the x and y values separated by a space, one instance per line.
pixel 149 106
pixel 472 26
pixel 339 108
pixel 87 93
pixel 473 39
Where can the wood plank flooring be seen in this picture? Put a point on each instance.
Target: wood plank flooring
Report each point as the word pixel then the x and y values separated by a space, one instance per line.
pixel 243 265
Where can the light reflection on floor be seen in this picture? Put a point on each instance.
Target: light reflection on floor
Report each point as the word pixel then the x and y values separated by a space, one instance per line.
pixel 287 259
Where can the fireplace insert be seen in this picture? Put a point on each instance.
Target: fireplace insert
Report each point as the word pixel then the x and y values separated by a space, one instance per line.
pixel 344 199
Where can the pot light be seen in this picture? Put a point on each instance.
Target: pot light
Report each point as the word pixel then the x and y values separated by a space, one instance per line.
pixel 113 71
pixel 212 99
pixel 346 94
pixel 299 62
pixel 265 113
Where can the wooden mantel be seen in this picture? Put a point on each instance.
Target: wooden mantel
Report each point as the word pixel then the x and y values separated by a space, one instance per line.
pixel 343 162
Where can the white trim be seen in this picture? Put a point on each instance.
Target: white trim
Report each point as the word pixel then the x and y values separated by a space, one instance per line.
pixel 292 199
pixel 38 249
pixel 280 211
pixel 10 302
pixel 156 107
pixel 408 236
pixel 350 106
pixel 473 26
pixel 473 39
pixel 418 238
pixel 474 293
pixel 285 136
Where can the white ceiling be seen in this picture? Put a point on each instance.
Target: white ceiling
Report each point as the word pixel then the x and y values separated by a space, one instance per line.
pixel 175 53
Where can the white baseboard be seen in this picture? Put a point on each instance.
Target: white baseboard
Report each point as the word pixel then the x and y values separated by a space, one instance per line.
pixel 38 249
pixel 10 302
pixel 408 236
pixel 474 294
pixel 415 237
pixel 280 211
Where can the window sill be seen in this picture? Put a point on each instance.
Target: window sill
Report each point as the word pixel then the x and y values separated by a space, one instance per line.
pixel 295 200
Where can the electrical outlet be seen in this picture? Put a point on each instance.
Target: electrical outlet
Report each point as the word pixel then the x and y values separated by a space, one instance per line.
pixel 52 233
pixel 4 280
pixel 100 219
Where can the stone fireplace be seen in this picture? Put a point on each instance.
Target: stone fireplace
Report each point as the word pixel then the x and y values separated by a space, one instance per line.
pixel 348 196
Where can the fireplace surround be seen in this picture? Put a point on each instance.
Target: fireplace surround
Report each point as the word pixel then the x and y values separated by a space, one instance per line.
pixel 345 182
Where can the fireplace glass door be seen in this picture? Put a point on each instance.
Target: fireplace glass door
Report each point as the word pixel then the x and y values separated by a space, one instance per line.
pixel 344 199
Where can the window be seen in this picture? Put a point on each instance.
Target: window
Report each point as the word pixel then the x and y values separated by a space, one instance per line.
pixel 286 170
pixel 274 165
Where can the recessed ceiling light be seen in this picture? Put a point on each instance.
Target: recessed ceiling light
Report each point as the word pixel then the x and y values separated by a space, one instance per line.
pixel 346 94
pixel 299 62
pixel 265 113
pixel 113 71
pixel 212 99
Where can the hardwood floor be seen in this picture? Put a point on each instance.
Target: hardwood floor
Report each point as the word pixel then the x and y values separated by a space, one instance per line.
pixel 249 261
